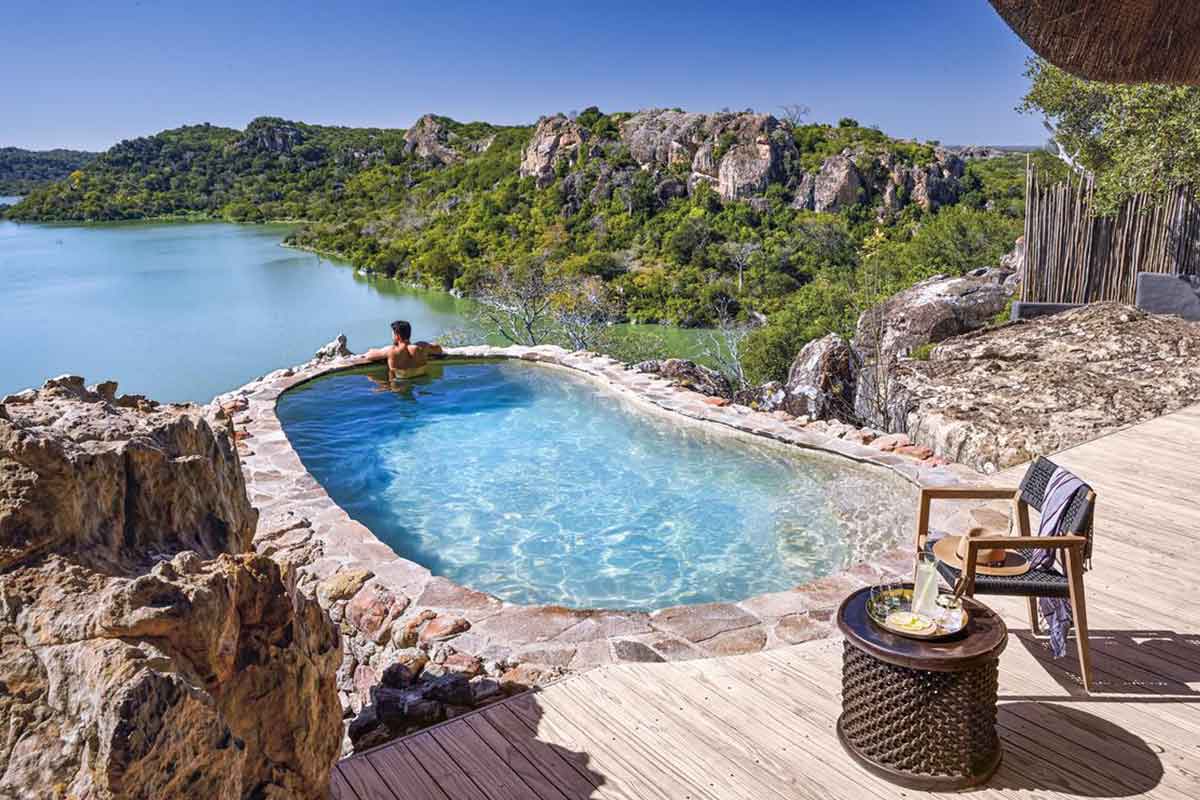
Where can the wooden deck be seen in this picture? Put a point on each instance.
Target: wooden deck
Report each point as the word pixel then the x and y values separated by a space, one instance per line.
pixel 762 726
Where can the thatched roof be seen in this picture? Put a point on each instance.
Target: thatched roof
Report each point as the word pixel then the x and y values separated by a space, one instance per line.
pixel 1117 41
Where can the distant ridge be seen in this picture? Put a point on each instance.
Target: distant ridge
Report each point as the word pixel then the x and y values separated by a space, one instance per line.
pixel 22 171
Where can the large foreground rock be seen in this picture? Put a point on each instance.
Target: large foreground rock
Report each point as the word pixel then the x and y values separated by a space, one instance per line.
pixel 144 652
pixel 821 381
pixel 1000 396
pixel 930 311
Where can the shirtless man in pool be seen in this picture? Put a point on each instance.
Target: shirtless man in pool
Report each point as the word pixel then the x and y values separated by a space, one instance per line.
pixel 405 359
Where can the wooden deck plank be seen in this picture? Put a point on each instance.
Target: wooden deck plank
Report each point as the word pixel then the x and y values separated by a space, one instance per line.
pixel 446 773
pixel 407 779
pixel 761 725
pixel 365 780
pixel 569 779
pixel 512 757
pixel 339 789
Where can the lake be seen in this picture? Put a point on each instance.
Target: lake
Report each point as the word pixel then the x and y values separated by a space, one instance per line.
pixel 184 311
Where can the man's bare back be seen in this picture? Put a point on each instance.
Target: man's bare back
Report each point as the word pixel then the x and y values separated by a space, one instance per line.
pixel 404 356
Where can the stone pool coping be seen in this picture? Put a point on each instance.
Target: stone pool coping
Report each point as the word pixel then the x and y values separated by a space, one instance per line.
pixel 392 610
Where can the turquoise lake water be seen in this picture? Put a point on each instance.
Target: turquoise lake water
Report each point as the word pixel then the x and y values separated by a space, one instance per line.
pixel 184 311
pixel 540 487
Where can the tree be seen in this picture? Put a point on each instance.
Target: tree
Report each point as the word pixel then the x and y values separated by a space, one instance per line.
pixel 1132 138
pixel 583 311
pixel 516 302
pixel 739 255
pixel 794 113
pixel 726 344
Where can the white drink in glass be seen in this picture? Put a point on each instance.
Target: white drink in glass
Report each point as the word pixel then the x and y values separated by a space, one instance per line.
pixel 925 588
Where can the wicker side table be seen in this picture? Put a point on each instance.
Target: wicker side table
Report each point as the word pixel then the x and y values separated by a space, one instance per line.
pixel 917 713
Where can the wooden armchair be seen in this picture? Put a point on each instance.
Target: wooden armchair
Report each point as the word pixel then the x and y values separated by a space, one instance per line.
pixel 1077 544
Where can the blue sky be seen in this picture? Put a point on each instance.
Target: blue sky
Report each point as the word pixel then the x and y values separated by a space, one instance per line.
pixel 87 74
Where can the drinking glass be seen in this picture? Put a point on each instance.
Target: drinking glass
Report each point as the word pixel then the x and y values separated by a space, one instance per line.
pixel 925 585
pixel 949 612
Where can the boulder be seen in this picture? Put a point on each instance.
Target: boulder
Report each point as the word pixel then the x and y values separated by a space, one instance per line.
pixel 821 380
pixel 138 632
pixel 334 349
pixel 689 375
pixel 930 311
pixel 770 396
pixel 555 139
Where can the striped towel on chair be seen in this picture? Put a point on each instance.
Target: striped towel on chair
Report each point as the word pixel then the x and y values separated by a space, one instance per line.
pixel 1055 611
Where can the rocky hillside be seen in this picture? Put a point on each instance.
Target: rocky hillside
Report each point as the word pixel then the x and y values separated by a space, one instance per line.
pixel 741 156
pixel 22 171
pixel 147 652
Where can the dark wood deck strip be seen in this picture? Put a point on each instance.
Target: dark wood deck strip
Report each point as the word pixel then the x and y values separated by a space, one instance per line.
pixel 448 775
pixel 404 774
pixel 339 789
pixel 365 780
pixel 570 779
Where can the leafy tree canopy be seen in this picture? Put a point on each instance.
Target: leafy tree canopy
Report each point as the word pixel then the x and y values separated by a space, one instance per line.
pixel 1133 138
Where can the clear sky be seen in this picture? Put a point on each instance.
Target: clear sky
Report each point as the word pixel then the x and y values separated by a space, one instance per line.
pixel 87 74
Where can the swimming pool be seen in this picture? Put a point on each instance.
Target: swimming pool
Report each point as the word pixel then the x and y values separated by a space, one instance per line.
pixel 539 486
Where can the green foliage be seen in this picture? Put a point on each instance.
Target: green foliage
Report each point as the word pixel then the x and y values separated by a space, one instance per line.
pixel 1134 138
pixel 998 184
pixel 827 304
pixel 23 171
pixel 922 352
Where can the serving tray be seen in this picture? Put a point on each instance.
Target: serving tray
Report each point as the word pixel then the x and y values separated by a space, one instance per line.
pixel 879 616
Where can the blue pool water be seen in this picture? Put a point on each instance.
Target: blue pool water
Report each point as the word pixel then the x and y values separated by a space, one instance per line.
pixel 541 487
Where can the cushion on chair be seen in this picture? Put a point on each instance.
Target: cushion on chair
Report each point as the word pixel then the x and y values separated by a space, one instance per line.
pixel 1035 583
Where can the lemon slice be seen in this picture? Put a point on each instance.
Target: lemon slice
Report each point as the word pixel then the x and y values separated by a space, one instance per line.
pixel 909 622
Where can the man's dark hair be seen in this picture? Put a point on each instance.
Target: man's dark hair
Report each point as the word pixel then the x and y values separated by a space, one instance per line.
pixel 402 329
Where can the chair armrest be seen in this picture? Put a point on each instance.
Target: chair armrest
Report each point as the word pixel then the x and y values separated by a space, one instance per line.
pixel 966 580
pixel 1016 542
pixel 969 493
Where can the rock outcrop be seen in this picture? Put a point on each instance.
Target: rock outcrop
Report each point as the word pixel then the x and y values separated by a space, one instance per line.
pixel 689 375
pixel 821 380
pixel 851 178
pixel 1000 396
pixel 147 653
pixel 738 154
pixel 428 138
pixel 271 135
pixel 556 139
pixel 837 186
pixel 930 311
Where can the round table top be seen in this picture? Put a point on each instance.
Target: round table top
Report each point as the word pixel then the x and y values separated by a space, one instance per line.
pixel 981 641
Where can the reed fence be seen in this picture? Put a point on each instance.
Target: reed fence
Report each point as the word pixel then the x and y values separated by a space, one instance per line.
pixel 1075 256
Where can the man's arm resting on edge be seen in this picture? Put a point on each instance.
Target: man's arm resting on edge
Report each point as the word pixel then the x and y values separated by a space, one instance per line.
pixel 377 353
